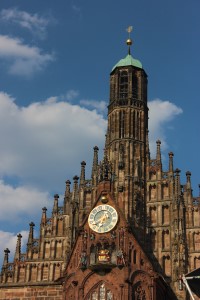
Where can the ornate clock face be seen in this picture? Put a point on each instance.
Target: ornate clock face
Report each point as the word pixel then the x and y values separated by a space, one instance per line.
pixel 103 218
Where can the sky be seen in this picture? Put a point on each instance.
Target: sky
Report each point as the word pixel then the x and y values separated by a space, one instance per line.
pixel 55 62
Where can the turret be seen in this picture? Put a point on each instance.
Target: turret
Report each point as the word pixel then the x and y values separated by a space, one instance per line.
pixel 95 166
pixel 75 207
pixel 75 190
pixel 171 174
pixel 158 159
pixel 188 187
pixel 171 168
pixel 188 177
pixel 30 237
pixel 158 152
pixel 6 257
pixel 18 247
pixel 3 274
pixel 44 215
pixel 82 177
pixel 67 198
pixel 55 205
pixel 177 186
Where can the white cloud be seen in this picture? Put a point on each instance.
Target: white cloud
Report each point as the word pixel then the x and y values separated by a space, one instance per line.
pixel 45 142
pixel 160 113
pixel 22 59
pixel 98 105
pixel 8 240
pixel 16 201
pixel 36 24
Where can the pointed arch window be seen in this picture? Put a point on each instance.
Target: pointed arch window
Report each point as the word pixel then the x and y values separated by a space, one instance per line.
pixel 101 293
pixel 94 296
pixel 121 124
pixel 139 292
pixel 123 86
pixel 134 86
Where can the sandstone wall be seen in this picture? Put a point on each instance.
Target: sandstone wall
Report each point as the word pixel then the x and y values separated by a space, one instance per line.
pixel 32 293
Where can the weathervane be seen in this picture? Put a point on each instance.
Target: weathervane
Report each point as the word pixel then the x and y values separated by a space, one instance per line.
pixel 129 30
pixel 129 41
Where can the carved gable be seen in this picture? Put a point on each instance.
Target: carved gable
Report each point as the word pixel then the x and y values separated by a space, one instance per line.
pixel 106 246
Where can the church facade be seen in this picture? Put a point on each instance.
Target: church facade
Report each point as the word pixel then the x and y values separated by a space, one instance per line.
pixel 129 232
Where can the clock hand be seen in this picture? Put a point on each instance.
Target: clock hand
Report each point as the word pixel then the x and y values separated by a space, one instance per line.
pixel 101 219
pixel 96 222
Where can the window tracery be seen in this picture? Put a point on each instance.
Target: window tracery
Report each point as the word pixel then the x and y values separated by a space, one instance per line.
pixel 139 293
pixel 123 85
pixel 101 293
pixel 134 86
pixel 121 124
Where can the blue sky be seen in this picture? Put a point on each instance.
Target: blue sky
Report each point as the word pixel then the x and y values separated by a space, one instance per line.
pixel 55 61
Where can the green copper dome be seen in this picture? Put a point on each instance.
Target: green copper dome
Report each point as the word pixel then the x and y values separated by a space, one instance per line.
pixel 128 61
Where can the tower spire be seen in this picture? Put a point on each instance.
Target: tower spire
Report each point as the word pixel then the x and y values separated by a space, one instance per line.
pixel 129 40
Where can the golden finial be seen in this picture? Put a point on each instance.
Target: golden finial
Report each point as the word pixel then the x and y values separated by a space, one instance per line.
pixel 129 41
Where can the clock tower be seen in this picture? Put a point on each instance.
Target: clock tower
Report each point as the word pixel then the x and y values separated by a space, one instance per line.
pixel 127 138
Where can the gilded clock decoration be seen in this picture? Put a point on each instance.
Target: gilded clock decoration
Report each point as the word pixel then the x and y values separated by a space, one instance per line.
pixel 103 218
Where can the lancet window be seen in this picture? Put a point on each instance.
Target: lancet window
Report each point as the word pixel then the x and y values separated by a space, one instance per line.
pixel 139 293
pixel 112 88
pixel 134 86
pixel 101 293
pixel 123 85
pixel 121 124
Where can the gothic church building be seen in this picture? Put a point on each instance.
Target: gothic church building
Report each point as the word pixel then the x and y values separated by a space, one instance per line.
pixel 128 233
